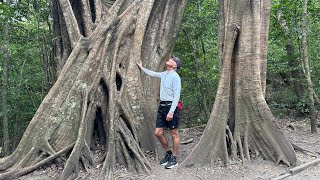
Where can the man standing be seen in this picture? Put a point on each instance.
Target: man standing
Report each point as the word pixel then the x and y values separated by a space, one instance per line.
pixel 168 113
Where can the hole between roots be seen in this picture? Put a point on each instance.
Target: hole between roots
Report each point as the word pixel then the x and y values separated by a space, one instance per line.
pixel 93 10
pixel 118 82
pixel 98 134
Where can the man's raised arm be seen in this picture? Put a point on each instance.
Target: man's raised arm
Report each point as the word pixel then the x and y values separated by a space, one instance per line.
pixel 149 72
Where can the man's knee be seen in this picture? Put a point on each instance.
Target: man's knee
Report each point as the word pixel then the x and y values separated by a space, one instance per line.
pixel 158 132
pixel 174 133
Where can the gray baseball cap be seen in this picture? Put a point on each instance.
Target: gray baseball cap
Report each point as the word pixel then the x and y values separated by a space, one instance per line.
pixel 177 60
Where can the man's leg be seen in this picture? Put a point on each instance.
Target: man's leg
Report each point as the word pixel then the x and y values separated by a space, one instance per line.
pixel 172 162
pixel 173 126
pixel 175 141
pixel 159 132
pixel 164 142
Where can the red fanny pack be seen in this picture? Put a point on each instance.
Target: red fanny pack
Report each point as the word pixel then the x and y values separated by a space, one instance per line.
pixel 180 105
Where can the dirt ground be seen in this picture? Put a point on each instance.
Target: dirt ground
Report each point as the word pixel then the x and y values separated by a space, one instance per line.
pixel 297 130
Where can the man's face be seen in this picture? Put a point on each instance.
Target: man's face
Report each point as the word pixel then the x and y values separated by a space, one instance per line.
pixel 170 64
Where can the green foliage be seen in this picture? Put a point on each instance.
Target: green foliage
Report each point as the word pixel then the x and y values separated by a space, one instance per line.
pixel 28 34
pixel 314 41
pixel 281 66
pixel 302 104
pixel 200 24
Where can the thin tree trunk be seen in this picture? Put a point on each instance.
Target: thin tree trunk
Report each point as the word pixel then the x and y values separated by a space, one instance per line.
pixel 5 66
pixel 57 39
pixel 51 71
pixel 294 63
pixel 16 130
pixel 312 109
pixel 316 98
pixel 203 95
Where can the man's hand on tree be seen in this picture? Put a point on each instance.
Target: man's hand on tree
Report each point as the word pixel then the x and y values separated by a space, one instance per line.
pixel 169 116
pixel 139 65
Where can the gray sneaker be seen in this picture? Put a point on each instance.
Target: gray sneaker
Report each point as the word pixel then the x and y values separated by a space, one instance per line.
pixel 165 160
pixel 171 163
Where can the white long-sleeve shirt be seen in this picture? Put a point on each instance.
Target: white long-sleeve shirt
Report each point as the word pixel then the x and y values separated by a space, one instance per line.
pixel 170 86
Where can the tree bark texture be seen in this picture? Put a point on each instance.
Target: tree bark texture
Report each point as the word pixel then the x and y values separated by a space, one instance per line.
pixel 100 95
pixel 312 109
pixel 241 123
pixel 264 32
pixel 5 66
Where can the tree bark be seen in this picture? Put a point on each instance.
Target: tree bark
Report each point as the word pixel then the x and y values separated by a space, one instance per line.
pixel 264 33
pixel 100 92
pixel 241 123
pixel 5 66
pixel 223 5
pixel 312 109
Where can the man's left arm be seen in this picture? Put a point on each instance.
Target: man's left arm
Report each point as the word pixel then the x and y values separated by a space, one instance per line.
pixel 176 94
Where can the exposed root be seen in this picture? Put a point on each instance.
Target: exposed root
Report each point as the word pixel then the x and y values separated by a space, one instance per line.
pixel 46 147
pixel 257 148
pixel 41 157
pixel 246 136
pixel 134 147
pixel 128 158
pixel 26 159
pixel 231 143
pixel 19 172
pixel 85 163
pixel 303 150
pixel 7 162
pixel 127 115
pixel 187 141
pixel 239 144
pixel 110 159
pixel 76 152
pixel 88 154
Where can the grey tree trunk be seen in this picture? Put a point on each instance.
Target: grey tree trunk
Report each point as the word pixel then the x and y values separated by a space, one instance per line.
pixel 5 66
pixel 264 32
pixel 312 109
pixel 100 97
pixel 241 121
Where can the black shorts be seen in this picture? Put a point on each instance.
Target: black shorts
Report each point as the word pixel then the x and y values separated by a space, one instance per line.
pixel 162 115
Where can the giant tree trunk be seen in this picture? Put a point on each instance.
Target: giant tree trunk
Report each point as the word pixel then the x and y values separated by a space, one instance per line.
pixel 99 95
pixel 312 109
pixel 241 122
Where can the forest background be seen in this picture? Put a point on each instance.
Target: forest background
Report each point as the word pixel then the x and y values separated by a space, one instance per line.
pixel 30 71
